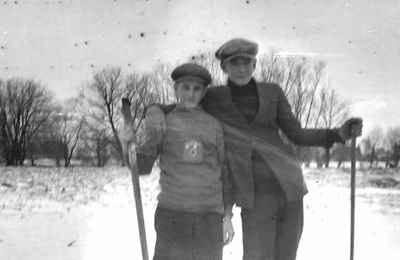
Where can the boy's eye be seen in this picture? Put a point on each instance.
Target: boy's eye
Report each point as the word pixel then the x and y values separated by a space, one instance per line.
pixel 185 87
pixel 197 88
pixel 237 62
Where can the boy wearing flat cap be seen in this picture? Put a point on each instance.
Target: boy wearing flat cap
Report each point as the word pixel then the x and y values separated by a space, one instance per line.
pixel 268 182
pixel 194 181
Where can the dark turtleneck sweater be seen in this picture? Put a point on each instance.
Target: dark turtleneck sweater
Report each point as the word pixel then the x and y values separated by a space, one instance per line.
pixel 245 98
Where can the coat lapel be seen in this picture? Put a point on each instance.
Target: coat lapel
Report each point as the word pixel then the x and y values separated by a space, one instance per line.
pixel 263 103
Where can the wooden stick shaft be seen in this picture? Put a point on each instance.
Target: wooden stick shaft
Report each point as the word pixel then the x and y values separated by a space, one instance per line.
pixel 352 195
pixel 139 209
pixel 127 116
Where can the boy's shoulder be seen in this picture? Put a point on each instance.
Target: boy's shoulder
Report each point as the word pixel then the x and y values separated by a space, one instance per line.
pixel 269 89
pixel 197 117
pixel 209 117
pixel 216 93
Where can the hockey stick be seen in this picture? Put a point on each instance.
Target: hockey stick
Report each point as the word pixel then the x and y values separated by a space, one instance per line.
pixel 352 194
pixel 126 113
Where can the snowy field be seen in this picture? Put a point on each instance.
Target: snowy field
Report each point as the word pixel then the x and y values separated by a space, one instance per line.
pixel 88 213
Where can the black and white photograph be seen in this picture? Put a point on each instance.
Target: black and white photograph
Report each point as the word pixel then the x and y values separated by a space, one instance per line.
pixel 199 129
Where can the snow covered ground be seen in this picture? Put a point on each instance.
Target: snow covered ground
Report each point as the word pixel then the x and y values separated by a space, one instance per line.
pixel 95 217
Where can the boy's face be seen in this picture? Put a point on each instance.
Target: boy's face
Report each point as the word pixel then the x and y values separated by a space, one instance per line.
pixel 239 69
pixel 189 92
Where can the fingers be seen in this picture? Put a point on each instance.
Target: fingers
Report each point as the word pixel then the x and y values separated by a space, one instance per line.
pixel 228 232
pixel 228 237
pixel 355 120
pixel 356 131
pixel 351 128
pixel 355 125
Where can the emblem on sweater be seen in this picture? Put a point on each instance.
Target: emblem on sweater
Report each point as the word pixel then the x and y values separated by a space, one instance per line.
pixel 193 151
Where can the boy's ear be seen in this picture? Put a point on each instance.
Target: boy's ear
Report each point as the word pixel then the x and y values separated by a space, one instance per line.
pixel 223 67
pixel 204 91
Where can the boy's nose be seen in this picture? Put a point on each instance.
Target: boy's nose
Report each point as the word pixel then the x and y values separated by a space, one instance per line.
pixel 191 93
pixel 242 68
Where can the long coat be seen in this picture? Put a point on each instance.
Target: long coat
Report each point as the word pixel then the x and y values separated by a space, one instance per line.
pixel 262 135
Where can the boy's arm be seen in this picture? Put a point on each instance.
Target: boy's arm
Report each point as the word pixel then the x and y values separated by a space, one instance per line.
pixel 227 227
pixel 144 154
pixel 155 115
pixel 145 163
pixel 147 152
pixel 227 184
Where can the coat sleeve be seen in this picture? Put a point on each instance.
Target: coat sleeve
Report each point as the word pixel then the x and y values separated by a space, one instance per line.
pixel 291 127
pixel 227 185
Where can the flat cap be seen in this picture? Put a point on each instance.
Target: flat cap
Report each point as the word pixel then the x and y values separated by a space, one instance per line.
pixel 192 71
pixel 237 47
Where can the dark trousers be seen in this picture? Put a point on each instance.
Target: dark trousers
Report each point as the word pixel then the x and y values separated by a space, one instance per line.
pixel 272 229
pixel 187 236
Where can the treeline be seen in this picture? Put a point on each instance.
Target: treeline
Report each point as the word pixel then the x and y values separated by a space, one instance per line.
pixel 34 125
pixel 382 145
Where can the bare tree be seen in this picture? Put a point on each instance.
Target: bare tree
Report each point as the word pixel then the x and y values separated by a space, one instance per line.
pixel 332 112
pixel 103 97
pixel 371 143
pixel 162 83
pixel 300 79
pixel 3 133
pixel 271 68
pixel 94 145
pixel 141 91
pixel 46 142
pixel 393 146
pixel 58 137
pixel 69 127
pixel 104 101
pixel 26 107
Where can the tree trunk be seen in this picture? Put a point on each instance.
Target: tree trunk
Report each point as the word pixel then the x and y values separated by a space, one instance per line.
pixel 58 162
pixel 371 157
pixel 339 163
pixel 32 160
pixel 327 157
pixel 65 155
pixel 319 164
pixel 67 162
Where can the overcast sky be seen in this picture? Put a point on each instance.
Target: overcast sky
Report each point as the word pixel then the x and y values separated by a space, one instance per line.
pixel 61 43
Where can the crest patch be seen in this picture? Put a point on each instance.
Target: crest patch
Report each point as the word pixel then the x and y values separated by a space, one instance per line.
pixel 193 151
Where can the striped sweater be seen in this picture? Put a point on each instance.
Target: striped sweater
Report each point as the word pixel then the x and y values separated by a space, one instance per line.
pixel 193 174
